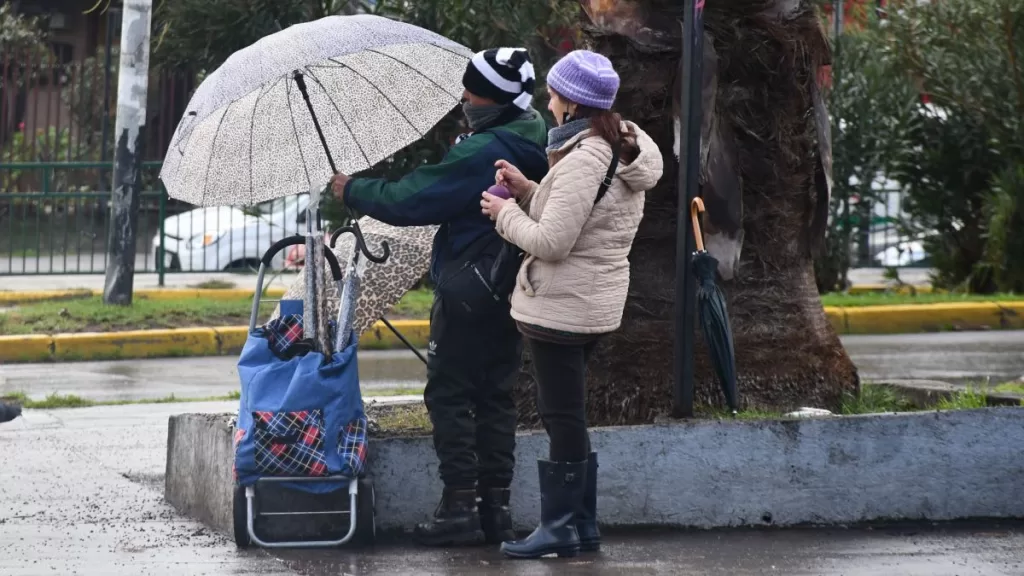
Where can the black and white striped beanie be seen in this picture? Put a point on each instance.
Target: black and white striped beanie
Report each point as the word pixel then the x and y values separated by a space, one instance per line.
pixel 504 75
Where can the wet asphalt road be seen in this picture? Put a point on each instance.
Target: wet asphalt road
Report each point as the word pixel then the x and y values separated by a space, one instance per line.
pixel 951 356
pixel 81 493
pixel 81 490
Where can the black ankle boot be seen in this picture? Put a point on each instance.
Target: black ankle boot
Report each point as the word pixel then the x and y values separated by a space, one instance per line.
pixel 456 521
pixel 9 411
pixel 586 516
pixel 561 489
pixel 495 515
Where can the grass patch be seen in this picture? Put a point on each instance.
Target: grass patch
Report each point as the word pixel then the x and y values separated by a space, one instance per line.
pixel 58 401
pixel 874 400
pixel 92 315
pixel 1010 388
pixel 893 299
pixel 405 420
pixel 214 285
pixel 415 305
pixel 968 399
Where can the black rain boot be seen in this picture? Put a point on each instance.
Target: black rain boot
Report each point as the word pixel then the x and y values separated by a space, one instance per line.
pixel 586 516
pixel 495 515
pixel 456 521
pixel 561 489
pixel 9 411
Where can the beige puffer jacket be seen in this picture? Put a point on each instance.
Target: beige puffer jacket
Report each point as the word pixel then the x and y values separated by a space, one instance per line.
pixel 575 276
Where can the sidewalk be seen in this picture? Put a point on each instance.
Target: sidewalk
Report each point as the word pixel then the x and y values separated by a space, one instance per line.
pixel 95 282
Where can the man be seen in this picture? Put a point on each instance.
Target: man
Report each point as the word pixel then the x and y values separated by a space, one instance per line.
pixel 475 348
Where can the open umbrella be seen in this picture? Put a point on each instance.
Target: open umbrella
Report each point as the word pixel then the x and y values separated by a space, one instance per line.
pixel 281 116
pixel 383 284
pixel 714 318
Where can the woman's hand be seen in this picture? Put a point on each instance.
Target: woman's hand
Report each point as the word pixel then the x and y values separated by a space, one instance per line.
pixel 338 183
pixel 510 177
pixel 491 205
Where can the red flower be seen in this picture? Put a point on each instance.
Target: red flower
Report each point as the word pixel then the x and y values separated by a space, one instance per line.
pixel 21 127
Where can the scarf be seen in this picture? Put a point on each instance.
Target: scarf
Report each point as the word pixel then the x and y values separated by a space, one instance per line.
pixel 483 117
pixel 559 135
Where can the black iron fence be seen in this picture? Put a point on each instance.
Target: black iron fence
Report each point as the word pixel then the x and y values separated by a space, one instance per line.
pixel 62 224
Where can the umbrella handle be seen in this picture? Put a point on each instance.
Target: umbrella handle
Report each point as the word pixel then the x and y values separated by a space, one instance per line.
pixel 697 206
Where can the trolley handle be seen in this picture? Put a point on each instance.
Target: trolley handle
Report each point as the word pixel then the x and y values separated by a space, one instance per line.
pixel 283 243
pixel 361 243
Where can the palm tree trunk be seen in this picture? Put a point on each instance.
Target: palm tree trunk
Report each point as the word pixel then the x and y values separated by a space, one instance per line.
pixel 787 353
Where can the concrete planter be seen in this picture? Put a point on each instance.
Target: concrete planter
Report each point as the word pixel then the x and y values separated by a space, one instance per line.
pixel 705 474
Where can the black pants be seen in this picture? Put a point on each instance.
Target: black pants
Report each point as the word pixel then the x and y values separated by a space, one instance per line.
pixel 561 374
pixel 472 367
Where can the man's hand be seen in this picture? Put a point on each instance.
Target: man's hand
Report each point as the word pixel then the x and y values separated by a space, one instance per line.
pixel 491 205
pixel 338 183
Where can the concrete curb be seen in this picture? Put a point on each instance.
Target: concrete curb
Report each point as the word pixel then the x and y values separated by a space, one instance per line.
pixel 228 340
pixel 702 474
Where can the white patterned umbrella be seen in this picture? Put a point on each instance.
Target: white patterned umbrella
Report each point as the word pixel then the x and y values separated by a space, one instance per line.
pixel 376 86
pixel 281 116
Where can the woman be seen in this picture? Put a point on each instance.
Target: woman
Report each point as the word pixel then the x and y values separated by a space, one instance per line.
pixel 571 288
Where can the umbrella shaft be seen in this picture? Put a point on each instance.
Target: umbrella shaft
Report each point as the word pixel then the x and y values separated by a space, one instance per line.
pixel 300 80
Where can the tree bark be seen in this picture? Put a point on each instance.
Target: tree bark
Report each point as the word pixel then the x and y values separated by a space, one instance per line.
pixel 787 354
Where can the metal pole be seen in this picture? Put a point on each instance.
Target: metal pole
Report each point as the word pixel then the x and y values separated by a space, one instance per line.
pixel 130 129
pixel 160 254
pixel 689 169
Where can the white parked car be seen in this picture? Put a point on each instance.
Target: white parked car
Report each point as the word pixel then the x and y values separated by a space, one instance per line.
pixel 226 238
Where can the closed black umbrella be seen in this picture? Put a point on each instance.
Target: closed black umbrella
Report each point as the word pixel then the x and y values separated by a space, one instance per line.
pixel 714 318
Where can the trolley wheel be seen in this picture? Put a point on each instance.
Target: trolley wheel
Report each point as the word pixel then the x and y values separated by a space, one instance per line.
pixel 366 521
pixel 241 517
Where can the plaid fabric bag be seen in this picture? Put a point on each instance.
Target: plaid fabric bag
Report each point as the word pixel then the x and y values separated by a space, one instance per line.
pixel 290 443
pixel 299 416
pixel 352 447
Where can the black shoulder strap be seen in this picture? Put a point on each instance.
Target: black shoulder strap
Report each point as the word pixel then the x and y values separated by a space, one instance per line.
pixel 608 176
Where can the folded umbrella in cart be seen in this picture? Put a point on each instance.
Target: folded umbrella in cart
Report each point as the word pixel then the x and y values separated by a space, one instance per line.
pixel 384 284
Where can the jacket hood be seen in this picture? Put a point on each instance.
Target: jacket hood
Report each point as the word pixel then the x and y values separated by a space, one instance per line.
pixel 641 174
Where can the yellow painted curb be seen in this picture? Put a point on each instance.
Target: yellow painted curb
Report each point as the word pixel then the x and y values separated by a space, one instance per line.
pixel 380 337
pixel 43 295
pixel 136 344
pixel 837 317
pixel 27 348
pixel 915 318
pixel 206 294
pixel 1012 315
pixel 231 339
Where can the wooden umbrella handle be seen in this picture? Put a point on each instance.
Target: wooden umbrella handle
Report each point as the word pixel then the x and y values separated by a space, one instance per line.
pixel 697 206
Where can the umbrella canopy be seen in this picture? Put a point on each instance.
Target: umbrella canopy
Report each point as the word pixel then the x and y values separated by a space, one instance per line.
pixel 714 318
pixel 374 84
pixel 383 285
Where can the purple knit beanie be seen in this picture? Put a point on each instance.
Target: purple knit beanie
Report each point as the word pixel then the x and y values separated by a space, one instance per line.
pixel 586 78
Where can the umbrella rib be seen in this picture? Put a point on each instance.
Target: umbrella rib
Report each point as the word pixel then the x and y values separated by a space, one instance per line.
pixel 413 68
pixel 213 151
pixel 252 125
pixel 295 130
pixel 342 116
pixel 382 93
